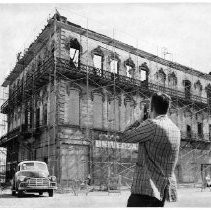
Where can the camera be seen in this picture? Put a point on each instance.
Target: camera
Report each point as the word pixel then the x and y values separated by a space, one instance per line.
pixel 146 111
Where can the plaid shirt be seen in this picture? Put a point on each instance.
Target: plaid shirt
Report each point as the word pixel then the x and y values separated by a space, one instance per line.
pixel 158 150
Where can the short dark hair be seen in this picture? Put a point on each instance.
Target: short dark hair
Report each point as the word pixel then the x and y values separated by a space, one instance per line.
pixel 160 102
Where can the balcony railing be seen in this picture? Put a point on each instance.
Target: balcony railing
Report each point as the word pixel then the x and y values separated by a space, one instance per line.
pixel 103 74
pixel 63 66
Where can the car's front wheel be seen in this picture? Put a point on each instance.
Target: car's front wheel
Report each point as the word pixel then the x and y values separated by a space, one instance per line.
pixel 20 193
pixel 50 193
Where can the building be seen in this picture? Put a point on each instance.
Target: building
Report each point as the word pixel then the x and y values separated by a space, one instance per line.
pixel 3 154
pixel 72 92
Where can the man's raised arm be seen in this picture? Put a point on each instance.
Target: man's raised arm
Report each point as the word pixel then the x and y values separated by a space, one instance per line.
pixel 137 133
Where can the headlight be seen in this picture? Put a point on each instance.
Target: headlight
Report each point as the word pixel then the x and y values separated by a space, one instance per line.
pixel 26 179
pixel 53 178
pixel 21 178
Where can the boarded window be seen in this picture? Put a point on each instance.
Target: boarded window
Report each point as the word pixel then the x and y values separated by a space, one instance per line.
pixel 114 114
pixel 72 107
pixel 98 111
pixel 129 112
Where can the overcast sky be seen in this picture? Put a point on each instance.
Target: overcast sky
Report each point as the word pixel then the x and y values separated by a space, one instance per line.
pixel 184 29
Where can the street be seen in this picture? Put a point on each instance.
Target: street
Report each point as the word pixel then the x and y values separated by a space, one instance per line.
pixel 188 197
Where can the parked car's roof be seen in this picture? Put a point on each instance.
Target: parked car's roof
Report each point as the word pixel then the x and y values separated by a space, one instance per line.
pixel 31 161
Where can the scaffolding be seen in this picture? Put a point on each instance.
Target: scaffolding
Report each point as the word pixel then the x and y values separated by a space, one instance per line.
pixel 106 164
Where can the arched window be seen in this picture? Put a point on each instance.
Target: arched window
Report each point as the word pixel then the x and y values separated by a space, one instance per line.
pixel 144 71
pixel 72 104
pixel 130 67
pixel 98 99
pixel 98 57
pixel 114 62
pixel 73 46
pixel 198 88
pixel 113 112
pixel 172 80
pixel 160 76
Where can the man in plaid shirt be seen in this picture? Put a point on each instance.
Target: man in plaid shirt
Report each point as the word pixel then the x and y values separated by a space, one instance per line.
pixel 159 141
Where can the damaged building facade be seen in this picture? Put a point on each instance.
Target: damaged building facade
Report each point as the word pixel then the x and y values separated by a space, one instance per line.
pixel 72 93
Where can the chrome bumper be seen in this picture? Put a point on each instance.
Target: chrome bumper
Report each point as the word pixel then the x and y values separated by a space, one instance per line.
pixel 37 184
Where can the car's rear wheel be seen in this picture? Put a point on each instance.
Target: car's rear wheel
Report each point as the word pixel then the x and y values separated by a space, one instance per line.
pixel 50 193
pixel 20 193
pixel 40 193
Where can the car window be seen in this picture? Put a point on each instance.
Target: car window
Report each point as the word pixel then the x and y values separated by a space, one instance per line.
pixel 41 166
pixel 35 174
pixel 27 166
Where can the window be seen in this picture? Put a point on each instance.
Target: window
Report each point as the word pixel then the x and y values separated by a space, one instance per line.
pixel 45 116
pixel 113 114
pixel 188 131
pixel 160 76
pixel 187 85
pixel 114 66
pixel 143 75
pixel 209 131
pixel 98 58
pixel 172 79
pixel 72 106
pixel 200 130
pixel 37 117
pixel 130 67
pixel 129 71
pixel 73 47
pixel 98 111
pixel 74 56
pixel 208 89
pixel 98 61
pixel 198 88
pixel 28 115
pixel 144 71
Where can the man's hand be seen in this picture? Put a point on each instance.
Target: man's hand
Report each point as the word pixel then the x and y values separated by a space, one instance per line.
pixel 137 118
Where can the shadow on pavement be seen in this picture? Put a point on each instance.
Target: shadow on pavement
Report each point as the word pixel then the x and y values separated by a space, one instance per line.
pixel 25 195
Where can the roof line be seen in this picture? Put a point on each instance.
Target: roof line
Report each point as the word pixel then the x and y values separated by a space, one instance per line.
pixel 107 40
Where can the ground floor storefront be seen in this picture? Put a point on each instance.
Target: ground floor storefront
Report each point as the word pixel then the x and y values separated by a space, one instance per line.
pixel 98 159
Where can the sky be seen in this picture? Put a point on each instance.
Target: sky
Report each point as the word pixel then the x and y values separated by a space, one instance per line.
pixel 182 29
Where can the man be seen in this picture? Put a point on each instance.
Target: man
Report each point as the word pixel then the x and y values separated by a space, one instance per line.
pixel 159 141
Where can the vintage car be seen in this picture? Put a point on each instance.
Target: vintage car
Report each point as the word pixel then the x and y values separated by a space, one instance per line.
pixel 33 176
